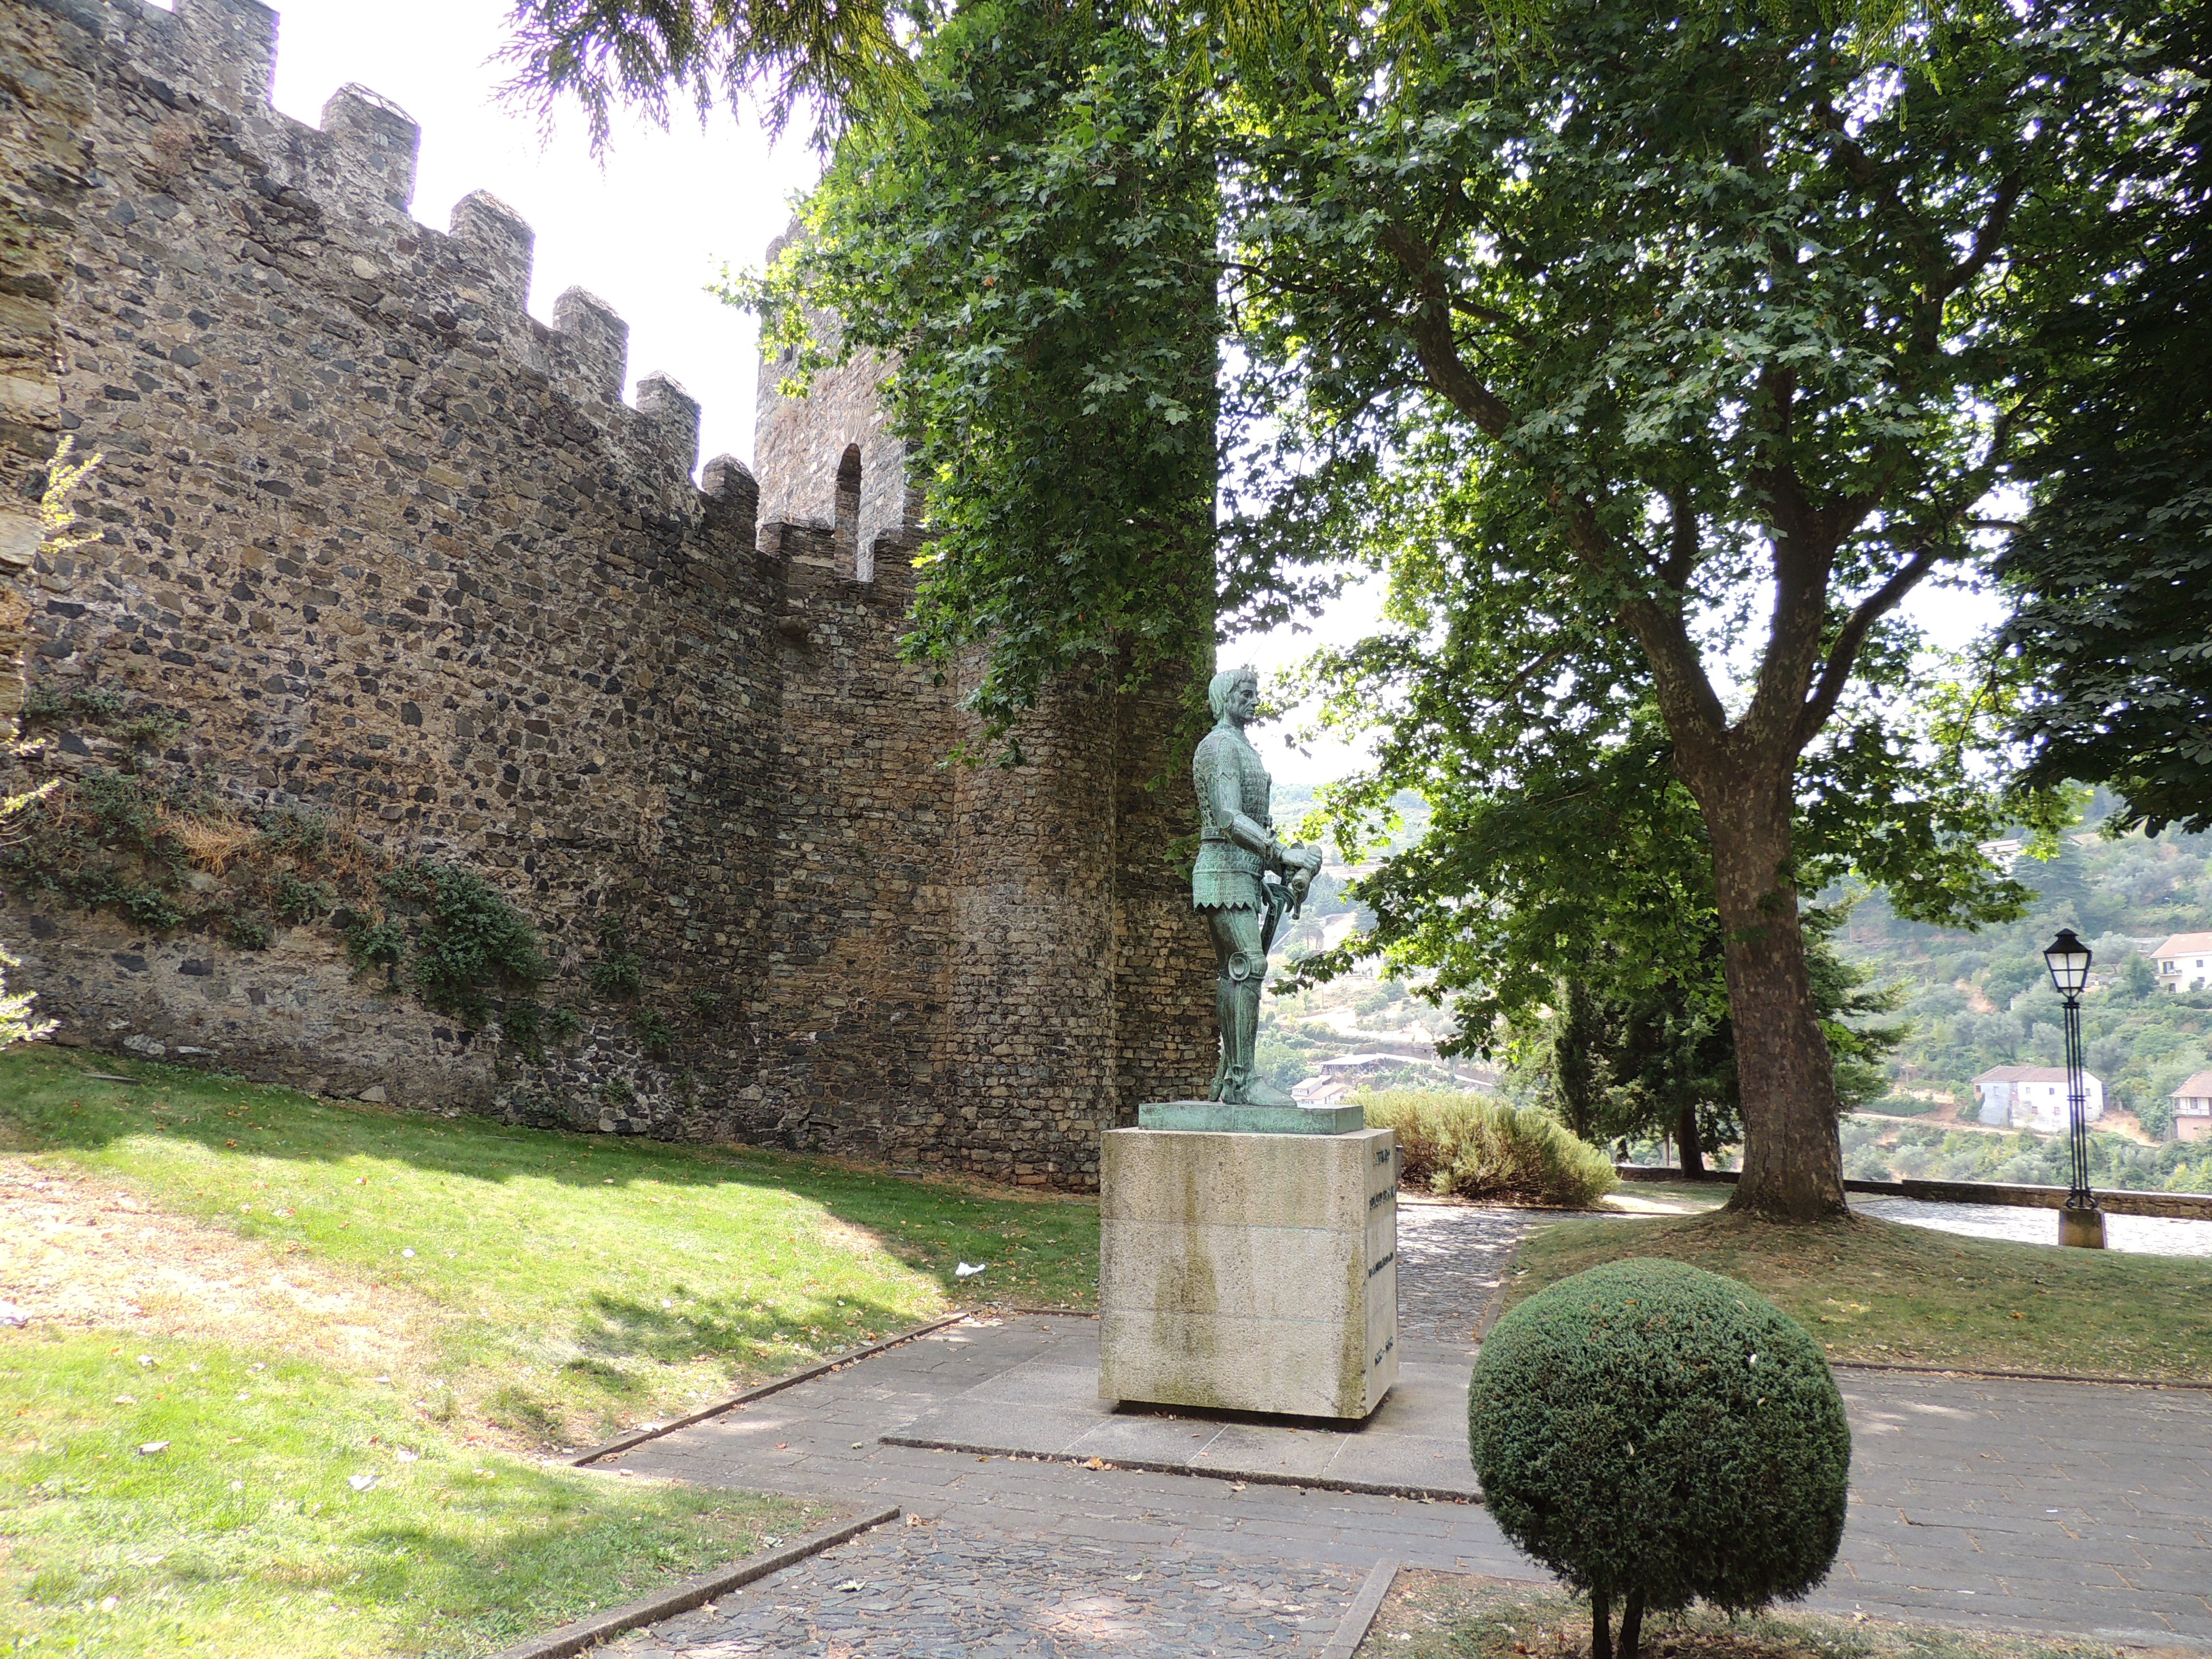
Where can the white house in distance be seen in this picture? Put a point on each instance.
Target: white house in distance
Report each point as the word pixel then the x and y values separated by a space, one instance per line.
pixel 2034 1098
pixel 2192 1109
pixel 2185 963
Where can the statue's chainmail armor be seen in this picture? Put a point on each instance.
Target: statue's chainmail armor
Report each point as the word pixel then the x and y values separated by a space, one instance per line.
pixel 1226 876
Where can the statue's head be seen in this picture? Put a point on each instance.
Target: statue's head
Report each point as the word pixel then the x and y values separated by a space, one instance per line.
pixel 1221 691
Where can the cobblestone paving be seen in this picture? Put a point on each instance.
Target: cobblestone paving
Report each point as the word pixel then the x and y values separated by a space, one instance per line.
pixel 942 1591
pixel 1451 1258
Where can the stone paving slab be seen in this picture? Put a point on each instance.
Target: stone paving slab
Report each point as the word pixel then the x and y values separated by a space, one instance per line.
pixel 1047 1405
pixel 2066 1507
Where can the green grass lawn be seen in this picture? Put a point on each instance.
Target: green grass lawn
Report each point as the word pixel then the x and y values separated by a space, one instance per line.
pixel 293 1510
pixel 1880 1290
pixel 586 1283
pixel 523 1291
pixel 1447 1615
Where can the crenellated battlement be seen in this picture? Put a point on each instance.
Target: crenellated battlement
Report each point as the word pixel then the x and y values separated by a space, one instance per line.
pixel 355 173
pixel 824 461
pixel 376 544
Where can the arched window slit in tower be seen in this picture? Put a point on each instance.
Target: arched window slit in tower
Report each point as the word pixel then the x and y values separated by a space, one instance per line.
pixel 851 555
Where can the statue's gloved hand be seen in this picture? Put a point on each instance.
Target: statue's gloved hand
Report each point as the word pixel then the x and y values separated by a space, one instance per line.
pixel 1302 865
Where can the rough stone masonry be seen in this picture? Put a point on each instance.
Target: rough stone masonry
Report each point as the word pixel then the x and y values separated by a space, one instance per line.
pixel 375 545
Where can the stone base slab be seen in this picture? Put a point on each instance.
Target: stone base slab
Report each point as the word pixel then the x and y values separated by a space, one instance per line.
pixel 1249 1272
pixel 1231 1117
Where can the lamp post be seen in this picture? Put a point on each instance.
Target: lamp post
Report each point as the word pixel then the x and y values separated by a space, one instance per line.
pixel 2081 1222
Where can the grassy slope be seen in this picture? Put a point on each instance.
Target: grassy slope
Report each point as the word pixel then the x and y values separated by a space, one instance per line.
pixel 1880 1290
pixel 572 1284
pixel 590 1283
pixel 1439 1615
pixel 245 1535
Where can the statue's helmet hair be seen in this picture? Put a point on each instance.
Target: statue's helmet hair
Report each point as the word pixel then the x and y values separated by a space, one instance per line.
pixel 1219 688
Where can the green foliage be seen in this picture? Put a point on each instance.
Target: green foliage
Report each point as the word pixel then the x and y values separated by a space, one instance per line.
pixel 1898 1106
pixel 1477 1147
pixel 1974 1003
pixel 832 58
pixel 1888 1151
pixel 522 1024
pixel 300 901
pixel 249 932
pixel 156 728
pixel 374 942
pixel 293 834
pixel 50 700
pixel 130 842
pixel 652 1031
pixel 1650 1430
pixel 470 938
pixel 1036 247
pixel 105 840
pixel 705 1002
pixel 563 1023
pixel 2111 574
pixel 618 972
pixel 17 1023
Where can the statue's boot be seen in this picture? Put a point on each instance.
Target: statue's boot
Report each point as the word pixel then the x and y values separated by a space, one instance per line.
pixel 1242 1024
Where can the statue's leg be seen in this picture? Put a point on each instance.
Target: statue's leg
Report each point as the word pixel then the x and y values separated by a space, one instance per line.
pixel 1225 947
pixel 1244 978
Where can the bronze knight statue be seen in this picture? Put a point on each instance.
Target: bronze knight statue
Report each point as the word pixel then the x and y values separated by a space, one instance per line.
pixel 1245 880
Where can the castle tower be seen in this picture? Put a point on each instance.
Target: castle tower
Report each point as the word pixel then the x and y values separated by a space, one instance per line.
pixel 1068 976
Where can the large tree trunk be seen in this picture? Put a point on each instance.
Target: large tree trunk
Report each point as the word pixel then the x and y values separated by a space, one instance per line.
pixel 1793 1162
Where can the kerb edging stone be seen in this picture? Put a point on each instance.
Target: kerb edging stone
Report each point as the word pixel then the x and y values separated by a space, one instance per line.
pixel 691 1593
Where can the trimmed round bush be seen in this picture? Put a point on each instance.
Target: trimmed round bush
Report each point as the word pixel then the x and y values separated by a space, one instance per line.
pixel 1660 1434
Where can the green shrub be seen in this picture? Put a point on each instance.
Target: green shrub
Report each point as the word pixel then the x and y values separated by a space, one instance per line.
pixel 1651 1432
pixel 522 1023
pixel 472 939
pixel 300 901
pixel 1479 1147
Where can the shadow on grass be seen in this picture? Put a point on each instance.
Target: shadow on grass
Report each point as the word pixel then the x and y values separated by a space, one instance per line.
pixel 52 1104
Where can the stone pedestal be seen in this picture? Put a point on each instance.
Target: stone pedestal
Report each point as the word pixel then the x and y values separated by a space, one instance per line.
pixel 2084 1228
pixel 1249 1272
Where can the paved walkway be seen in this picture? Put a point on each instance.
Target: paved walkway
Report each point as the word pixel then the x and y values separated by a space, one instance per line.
pixel 2054 1507
pixel 2140 1235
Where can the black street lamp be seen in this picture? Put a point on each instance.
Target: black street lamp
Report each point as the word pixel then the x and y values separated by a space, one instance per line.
pixel 2081 1222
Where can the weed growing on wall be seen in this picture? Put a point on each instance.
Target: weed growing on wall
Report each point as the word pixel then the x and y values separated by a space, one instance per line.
pixel 471 939
pixel 616 973
pixel 170 855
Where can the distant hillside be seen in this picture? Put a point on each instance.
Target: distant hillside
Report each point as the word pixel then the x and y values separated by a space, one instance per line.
pixel 1975 1000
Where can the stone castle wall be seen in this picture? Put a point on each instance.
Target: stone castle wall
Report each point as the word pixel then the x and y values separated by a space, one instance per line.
pixel 383 548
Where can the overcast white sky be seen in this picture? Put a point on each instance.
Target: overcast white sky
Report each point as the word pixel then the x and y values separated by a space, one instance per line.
pixel 647 228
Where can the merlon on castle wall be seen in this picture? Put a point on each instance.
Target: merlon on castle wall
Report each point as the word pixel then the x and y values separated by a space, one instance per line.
pixel 381 555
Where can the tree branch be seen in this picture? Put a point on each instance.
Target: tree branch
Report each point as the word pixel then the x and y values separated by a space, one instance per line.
pixel 1987 240
pixel 1836 672
pixel 1430 326
pixel 1682 563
